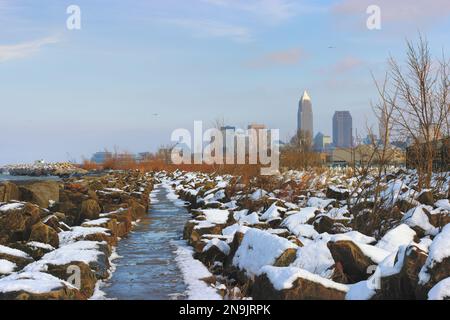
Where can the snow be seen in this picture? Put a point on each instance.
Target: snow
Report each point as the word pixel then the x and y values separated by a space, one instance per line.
pixel 243 218
pixel 441 291
pixel 394 238
pixel 258 194
pixel 319 203
pixel 272 213
pixel 284 278
pixel 67 237
pixel 315 258
pixel 33 282
pixel 360 291
pixel 13 252
pixel 416 217
pixel 6 267
pixel 222 245
pixel 259 248
pixel 193 271
pixel 96 222
pixel 302 217
pixel 11 206
pixel 303 230
pixel 438 251
pixel 216 216
pixel 444 204
pixel 338 213
pixel 231 230
pixel 82 251
pixel 40 245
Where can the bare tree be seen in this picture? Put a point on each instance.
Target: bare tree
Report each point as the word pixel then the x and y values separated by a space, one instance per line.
pixel 418 96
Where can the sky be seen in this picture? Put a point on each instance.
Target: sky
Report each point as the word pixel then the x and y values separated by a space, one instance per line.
pixel 139 69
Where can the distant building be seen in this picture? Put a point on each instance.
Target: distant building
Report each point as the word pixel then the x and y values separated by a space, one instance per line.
pixel 370 139
pixel 440 149
pixel 362 154
pixel 342 129
pixel 305 116
pixel 322 143
pixel 101 157
pixel 256 126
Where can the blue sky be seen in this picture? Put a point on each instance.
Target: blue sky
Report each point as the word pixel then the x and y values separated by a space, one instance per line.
pixel 66 94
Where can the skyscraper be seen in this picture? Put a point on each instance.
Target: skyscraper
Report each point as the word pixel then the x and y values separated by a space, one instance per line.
pixel 342 129
pixel 305 116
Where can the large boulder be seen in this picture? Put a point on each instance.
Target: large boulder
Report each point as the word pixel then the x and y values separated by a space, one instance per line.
pixel 18 257
pixel 291 283
pixel 42 193
pixel 437 265
pixel 87 278
pixel 41 232
pixel 37 286
pixel 8 191
pixel 353 260
pixel 402 283
pixel 16 221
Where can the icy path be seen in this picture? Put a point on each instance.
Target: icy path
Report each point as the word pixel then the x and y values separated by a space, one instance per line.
pixel 153 259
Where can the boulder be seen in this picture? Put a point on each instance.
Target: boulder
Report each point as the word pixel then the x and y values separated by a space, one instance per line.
pixel 337 193
pixel 37 286
pixel 90 209
pixel 404 283
pixel 8 191
pixel 324 223
pixel 138 211
pixel 87 278
pixel 41 193
pixel 354 262
pixel 295 284
pixel 16 256
pixel 16 221
pixel 41 232
pixel 426 197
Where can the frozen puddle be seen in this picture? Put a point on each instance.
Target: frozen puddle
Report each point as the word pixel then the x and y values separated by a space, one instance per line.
pixel 153 263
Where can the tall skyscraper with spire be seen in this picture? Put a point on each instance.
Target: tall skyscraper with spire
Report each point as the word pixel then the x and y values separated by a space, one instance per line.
pixel 305 116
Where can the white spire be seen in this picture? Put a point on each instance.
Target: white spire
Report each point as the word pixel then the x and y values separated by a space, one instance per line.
pixel 306 96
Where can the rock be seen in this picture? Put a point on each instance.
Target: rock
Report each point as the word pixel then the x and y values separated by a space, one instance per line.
pixel 87 278
pixel 286 258
pixel 90 209
pixel 138 211
pixel 20 258
pixel 295 284
pixel 337 193
pixel 426 197
pixel 403 285
pixel 8 191
pixel 215 250
pixel 353 261
pixel 324 223
pixel 37 286
pixel 40 193
pixel 437 266
pixel 41 232
pixel 16 221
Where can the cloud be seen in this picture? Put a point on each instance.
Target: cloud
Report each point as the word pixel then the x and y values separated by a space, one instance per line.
pixel 346 64
pixel 271 10
pixel 278 58
pixel 211 28
pixel 24 49
pixel 402 11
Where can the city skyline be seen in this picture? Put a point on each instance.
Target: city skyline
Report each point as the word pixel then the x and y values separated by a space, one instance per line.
pixel 133 74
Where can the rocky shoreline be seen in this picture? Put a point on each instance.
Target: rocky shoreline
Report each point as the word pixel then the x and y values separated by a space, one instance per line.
pixel 259 243
pixel 57 237
pixel 62 169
